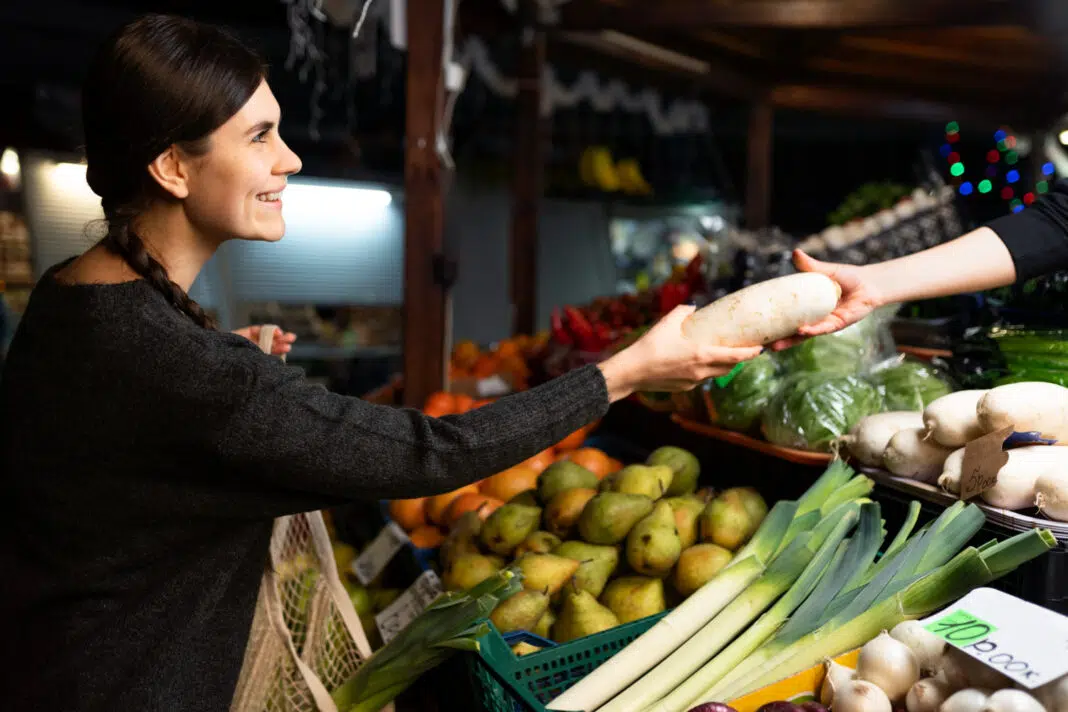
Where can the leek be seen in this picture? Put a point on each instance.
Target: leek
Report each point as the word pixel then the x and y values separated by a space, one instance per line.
pixel 906 529
pixel 719 631
pixel 857 487
pixel 837 474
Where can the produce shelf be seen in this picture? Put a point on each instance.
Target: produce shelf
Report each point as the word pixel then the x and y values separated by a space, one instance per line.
pixel 800 457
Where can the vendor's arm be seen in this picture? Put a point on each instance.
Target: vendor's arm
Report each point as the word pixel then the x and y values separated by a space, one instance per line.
pixel 1013 248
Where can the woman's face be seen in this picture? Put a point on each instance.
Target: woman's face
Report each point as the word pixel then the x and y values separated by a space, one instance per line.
pixel 235 189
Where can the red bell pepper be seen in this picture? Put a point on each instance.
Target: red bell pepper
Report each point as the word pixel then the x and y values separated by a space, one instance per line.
pixel 581 328
pixel 560 333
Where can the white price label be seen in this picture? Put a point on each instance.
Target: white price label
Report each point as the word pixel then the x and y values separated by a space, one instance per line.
pixel 408 605
pixel 379 553
pixel 1024 641
pixel 492 387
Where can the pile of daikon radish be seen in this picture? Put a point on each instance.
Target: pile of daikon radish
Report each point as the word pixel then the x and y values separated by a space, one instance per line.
pixel 929 446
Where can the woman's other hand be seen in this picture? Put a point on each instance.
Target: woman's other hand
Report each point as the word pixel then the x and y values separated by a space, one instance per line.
pixel 666 360
pixel 280 345
pixel 860 297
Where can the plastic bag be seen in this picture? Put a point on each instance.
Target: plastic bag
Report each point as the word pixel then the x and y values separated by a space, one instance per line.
pixel 907 384
pixel 812 410
pixel 739 404
pixel 854 349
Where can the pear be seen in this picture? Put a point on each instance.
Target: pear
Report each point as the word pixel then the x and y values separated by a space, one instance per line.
pixel 469 570
pixel 361 600
pixel 381 598
pixel 563 510
pixel 752 501
pixel 528 497
pixel 546 572
pixel 524 648
pixel 640 479
pixel 634 597
pixel 726 522
pixel 684 466
pixel 520 611
pixel 608 482
pixel 653 545
pixel 596 564
pixel 544 626
pixel 687 509
pixel 609 517
pixel 564 475
pixel 538 542
pixel 462 539
pixel 581 615
pixel 698 565
pixel 508 526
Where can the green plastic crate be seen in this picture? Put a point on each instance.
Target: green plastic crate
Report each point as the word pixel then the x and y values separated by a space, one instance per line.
pixel 506 683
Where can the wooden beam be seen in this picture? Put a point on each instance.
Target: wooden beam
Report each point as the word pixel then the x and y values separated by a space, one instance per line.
pixel 529 167
pixel 758 167
pixel 797 14
pixel 425 298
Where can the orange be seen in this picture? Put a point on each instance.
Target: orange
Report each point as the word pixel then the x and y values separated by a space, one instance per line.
pixel 540 461
pixel 485 366
pixel 509 348
pixel 481 503
pixel 480 403
pixel 593 460
pixel 427 537
pixel 438 505
pixel 439 404
pixel 507 484
pixel 465 353
pixel 616 465
pixel 462 403
pixel 409 513
pixel 572 441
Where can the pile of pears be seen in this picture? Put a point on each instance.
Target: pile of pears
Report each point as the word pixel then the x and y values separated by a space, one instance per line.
pixel 597 553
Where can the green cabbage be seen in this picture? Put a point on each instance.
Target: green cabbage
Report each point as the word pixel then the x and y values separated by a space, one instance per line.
pixel 909 385
pixel 848 351
pixel 739 404
pixel 812 410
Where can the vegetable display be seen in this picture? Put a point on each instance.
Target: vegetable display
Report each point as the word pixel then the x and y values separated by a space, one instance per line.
pixel 739 404
pixel 910 385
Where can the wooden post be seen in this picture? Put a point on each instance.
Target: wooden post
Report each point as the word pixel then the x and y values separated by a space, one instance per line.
pixel 758 173
pixel 425 293
pixel 527 185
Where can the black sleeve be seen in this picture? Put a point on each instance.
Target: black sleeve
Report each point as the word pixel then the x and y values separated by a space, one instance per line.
pixel 1037 237
pixel 292 435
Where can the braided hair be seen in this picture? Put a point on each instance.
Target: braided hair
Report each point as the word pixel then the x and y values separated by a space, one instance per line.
pixel 159 81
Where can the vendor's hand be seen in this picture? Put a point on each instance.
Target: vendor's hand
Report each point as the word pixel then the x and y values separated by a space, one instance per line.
pixel 665 359
pixel 859 298
pixel 280 345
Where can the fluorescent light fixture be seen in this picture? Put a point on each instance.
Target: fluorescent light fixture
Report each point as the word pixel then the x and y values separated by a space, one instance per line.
pixel 656 52
pixel 712 222
pixel 9 163
pixel 1064 137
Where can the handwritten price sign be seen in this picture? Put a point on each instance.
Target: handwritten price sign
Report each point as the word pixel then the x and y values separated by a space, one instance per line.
pixel 1024 641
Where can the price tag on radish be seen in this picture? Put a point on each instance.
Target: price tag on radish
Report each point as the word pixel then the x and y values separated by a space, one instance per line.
pixel 1026 642
pixel 379 553
pixel 983 458
pixel 408 605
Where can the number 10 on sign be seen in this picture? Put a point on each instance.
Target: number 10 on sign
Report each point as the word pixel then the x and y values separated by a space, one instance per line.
pixel 960 628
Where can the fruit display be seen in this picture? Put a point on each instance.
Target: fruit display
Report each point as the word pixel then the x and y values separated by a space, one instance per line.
pixel 815 580
pixel 600 546
pixel 929 445
pixel 508 357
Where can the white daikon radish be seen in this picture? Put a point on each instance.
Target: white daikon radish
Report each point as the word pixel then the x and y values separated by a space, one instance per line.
pixel 1018 477
pixel 951 420
pixel 764 312
pixel 909 455
pixel 949 480
pixel 868 439
pixel 1032 406
pixel 1051 495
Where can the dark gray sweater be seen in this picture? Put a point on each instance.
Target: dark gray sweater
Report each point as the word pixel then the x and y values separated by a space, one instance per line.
pixel 143 460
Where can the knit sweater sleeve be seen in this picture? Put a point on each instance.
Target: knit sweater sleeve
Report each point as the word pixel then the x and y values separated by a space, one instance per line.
pixel 1037 238
pixel 274 427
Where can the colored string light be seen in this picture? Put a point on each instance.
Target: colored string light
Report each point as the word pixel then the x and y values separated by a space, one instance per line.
pixel 957 169
pixel 1003 145
pixel 1029 198
pixel 966 188
pixel 953 157
pixel 953 138
pixel 1011 157
pixel 993 156
pixel 999 135
pixel 1012 176
pixel 1006 193
pixel 1017 208
pixel 1042 187
pixel 1048 169
pixel 985 186
pixel 991 171
pixel 945 149
pixel 952 127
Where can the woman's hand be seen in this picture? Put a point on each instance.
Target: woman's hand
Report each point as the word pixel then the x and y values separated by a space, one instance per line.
pixel 666 360
pixel 280 345
pixel 860 297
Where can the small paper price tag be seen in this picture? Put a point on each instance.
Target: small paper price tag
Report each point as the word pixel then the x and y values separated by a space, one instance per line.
pixel 1026 642
pixel 983 458
pixel 379 553
pixel 408 605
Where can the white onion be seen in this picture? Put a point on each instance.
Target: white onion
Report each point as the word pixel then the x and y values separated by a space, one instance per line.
pixel 1051 495
pixel 969 700
pixel 927 695
pixel 889 664
pixel 961 670
pixel 1012 701
pixel 861 696
pixel 836 677
pixel 1054 695
pixel 925 645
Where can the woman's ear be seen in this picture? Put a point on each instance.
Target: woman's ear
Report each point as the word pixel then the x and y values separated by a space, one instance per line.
pixel 171 171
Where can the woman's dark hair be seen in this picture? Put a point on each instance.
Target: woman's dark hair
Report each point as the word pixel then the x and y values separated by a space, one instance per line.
pixel 160 80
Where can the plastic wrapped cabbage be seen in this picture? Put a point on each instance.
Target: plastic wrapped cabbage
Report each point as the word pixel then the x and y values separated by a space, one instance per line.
pixel 739 404
pixel 812 410
pixel 851 350
pixel 909 385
